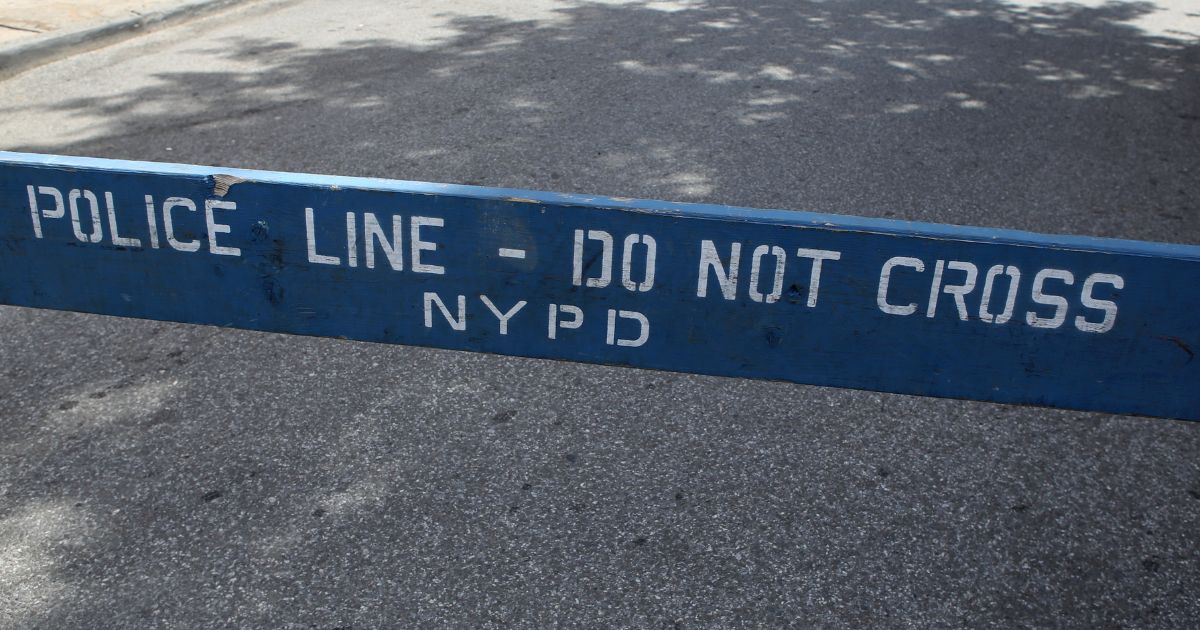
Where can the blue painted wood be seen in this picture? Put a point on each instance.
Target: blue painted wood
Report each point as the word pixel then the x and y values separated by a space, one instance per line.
pixel 1114 327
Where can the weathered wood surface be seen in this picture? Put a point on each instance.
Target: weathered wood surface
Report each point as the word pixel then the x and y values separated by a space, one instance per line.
pixel 1079 323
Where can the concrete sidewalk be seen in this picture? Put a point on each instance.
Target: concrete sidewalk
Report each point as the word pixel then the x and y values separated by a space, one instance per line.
pixel 33 32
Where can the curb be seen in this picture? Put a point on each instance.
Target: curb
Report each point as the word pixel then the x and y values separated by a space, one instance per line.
pixel 20 57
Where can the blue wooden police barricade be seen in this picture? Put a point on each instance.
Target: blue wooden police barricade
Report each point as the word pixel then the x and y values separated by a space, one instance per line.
pixel 915 308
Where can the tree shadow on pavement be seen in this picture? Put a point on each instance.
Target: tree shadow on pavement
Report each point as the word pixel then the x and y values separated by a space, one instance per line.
pixel 242 478
pixel 1060 120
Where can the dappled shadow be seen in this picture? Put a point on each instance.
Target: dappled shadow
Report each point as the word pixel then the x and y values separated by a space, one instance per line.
pixel 1061 119
pixel 147 465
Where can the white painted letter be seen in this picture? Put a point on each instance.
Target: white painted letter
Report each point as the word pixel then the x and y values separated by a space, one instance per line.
pixel 605 260
pixel 643 334
pixel 814 280
pixel 311 236
pixel 935 288
pixel 373 233
pixel 885 279
pixel 57 213
pixel 117 239
pixel 351 240
pixel 73 202
pixel 33 211
pixel 417 245
pixel 1014 280
pixel 1058 302
pixel 626 259
pixel 169 224
pixel 150 220
pixel 755 268
pixel 959 291
pixel 459 323
pixel 555 323
pixel 215 228
pixel 503 317
pixel 710 259
pixel 1109 307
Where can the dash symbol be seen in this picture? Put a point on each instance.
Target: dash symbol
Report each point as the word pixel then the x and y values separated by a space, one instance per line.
pixel 512 253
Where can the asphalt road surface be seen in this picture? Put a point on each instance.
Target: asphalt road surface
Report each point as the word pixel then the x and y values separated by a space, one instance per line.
pixel 180 476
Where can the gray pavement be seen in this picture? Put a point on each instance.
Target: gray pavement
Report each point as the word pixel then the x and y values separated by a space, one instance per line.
pixel 161 475
pixel 34 32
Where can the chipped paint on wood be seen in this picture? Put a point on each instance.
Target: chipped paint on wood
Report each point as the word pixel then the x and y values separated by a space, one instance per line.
pixel 222 183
